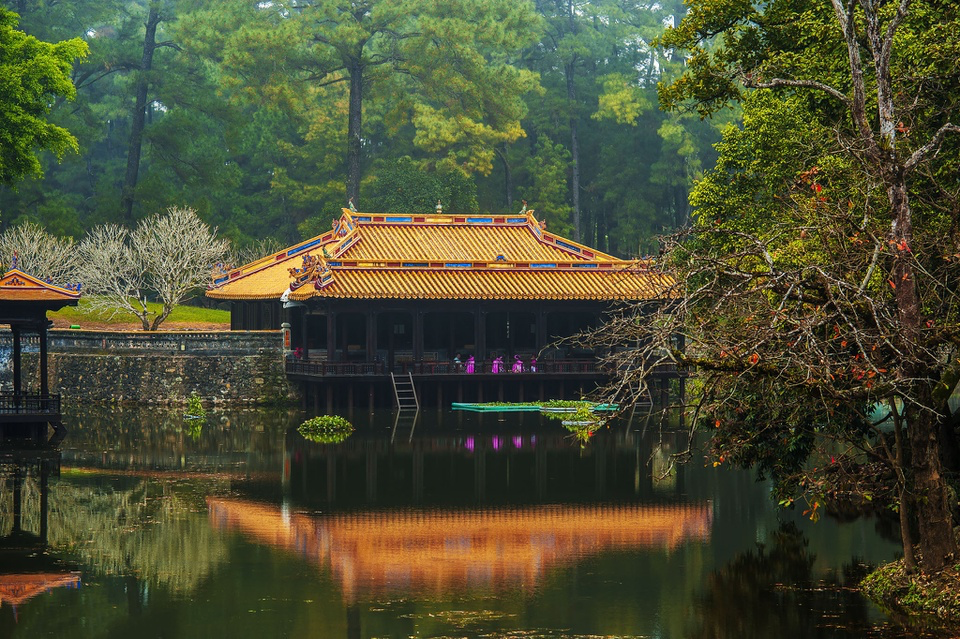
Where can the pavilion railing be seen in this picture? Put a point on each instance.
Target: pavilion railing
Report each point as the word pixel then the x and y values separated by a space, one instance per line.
pixel 12 404
pixel 324 368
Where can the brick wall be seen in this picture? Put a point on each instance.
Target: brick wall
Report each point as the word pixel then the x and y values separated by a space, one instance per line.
pixel 163 367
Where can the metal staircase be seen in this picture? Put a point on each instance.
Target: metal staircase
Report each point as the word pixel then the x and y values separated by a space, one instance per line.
pixel 405 392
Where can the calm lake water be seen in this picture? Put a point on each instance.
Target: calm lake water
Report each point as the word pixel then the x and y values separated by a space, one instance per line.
pixel 466 525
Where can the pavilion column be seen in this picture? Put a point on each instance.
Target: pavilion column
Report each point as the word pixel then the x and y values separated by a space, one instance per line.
pixel 371 335
pixel 331 334
pixel 44 385
pixel 451 339
pixel 541 328
pixel 480 331
pixel 418 335
pixel 304 343
pixel 17 371
pixel 342 339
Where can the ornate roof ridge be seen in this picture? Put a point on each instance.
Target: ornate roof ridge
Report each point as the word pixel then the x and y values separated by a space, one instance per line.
pixel 326 254
pixel 16 279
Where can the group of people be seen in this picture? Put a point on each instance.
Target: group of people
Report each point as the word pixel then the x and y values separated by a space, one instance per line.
pixel 497 366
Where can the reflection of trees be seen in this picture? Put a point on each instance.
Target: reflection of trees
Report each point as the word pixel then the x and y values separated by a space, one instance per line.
pixel 148 529
pixel 30 501
pixel 748 598
pixel 152 437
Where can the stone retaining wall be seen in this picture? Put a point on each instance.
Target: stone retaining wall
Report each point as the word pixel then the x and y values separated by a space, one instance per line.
pixel 164 367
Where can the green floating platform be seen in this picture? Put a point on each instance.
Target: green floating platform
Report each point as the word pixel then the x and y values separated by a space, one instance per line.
pixel 517 408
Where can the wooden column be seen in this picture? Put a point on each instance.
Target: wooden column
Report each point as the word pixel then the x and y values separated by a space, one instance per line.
pixel 418 335
pixel 481 334
pixel 331 334
pixel 541 328
pixel 371 335
pixel 17 354
pixel 451 343
pixel 304 334
pixel 342 340
pixel 44 385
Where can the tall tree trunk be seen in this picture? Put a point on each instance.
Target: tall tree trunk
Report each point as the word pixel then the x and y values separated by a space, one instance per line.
pixel 353 131
pixel 507 176
pixel 139 115
pixel 574 151
pixel 906 537
pixel 937 541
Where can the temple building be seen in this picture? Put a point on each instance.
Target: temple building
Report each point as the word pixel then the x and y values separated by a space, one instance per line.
pixel 24 302
pixel 439 298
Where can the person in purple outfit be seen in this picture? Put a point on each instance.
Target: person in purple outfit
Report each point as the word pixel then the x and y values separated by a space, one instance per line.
pixel 517 364
pixel 470 364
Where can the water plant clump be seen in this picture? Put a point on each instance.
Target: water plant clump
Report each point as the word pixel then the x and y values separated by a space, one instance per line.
pixel 195 410
pixel 582 431
pixel 326 429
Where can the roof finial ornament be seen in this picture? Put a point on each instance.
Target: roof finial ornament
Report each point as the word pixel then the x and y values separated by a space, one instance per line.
pixel 439 208
pixel 14 263
pixel 523 211
pixel 353 209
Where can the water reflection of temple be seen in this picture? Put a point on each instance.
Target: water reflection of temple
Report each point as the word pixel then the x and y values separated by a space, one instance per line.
pixel 26 570
pixel 429 552
pixel 493 464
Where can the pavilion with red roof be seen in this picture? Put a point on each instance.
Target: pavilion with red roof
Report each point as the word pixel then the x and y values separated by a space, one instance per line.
pixel 24 302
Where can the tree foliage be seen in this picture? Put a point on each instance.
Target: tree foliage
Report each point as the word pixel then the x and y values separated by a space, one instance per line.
pixel 816 291
pixel 406 187
pixel 247 114
pixel 33 75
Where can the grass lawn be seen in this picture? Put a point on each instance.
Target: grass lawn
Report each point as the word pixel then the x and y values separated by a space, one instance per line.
pixel 84 316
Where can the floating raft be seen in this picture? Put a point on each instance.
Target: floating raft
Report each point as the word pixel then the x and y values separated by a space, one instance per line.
pixel 516 408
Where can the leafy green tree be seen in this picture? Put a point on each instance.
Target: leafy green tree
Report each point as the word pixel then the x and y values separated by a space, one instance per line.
pixel 548 186
pixel 405 186
pixel 449 62
pixel 815 293
pixel 33 75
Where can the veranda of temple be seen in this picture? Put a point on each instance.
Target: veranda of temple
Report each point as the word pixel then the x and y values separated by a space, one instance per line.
pixel 475 308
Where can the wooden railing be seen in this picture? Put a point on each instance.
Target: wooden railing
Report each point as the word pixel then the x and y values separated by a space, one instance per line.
pixel 323 368
pixel 11 404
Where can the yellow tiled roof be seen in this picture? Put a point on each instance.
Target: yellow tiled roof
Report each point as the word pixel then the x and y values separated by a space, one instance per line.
pixel 384 256
pixel 15 285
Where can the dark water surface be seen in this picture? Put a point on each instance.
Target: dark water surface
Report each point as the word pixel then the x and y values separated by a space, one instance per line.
pixel 477 526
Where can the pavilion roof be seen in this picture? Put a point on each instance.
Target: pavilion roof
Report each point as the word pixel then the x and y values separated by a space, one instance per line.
pixel 15 589
pixel 390 256
pixel 15 285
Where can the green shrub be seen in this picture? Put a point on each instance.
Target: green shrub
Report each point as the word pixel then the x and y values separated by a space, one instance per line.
pixel 326 429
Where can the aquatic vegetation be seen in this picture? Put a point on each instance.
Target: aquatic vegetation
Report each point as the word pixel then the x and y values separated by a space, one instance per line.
pixel 582 431
pixel 326 429
pixel 195 416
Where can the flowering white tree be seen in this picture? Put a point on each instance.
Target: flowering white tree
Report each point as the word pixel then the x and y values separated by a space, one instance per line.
pixel 165 258
pixel 47 257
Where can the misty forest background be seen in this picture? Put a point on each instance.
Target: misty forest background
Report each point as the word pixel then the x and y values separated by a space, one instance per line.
pixel 244 111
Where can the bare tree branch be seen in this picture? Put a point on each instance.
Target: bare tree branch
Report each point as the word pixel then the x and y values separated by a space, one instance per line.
pixel 931 147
